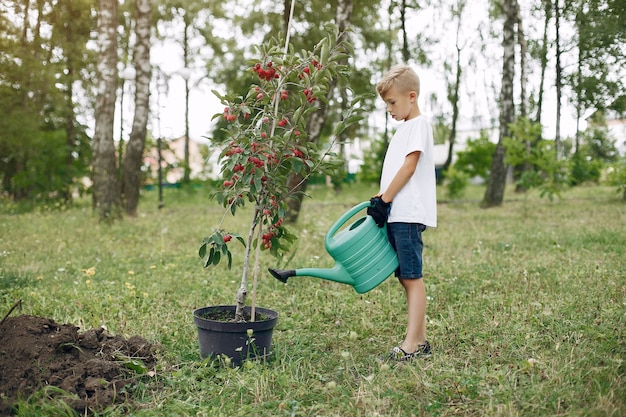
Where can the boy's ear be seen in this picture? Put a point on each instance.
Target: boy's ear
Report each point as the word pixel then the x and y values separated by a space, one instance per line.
pixel 413 95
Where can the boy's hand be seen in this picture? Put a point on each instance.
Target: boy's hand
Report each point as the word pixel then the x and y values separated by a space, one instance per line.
pixel 379 210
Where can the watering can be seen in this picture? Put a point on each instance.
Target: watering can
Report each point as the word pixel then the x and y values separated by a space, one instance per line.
pixel 363 255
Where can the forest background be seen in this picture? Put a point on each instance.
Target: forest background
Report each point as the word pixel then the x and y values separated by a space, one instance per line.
pixel 74 70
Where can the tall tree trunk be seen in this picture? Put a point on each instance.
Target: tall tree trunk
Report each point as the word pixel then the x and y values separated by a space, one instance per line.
pixel 453 91
pixel 578 89
pixel 494 194
pixel 406 54
pixel 187 168
pixel 297 182
pixel 131 171
pixel 559 75
pixel 543 57
pixel 521 41
pixel 70 132
pixel 106 190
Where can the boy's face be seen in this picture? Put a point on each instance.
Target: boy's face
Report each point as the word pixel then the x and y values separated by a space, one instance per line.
pixel 401 105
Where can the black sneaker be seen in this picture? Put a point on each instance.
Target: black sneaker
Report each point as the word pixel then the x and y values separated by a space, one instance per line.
pixel 398 354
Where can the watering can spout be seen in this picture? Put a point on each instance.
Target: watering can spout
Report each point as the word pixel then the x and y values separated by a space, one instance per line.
pixel 336 274
pixel 282 274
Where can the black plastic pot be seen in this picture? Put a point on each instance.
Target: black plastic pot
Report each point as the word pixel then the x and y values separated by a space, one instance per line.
pixel 219 338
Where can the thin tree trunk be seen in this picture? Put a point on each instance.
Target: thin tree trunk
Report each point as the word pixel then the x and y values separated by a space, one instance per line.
pixel 559 74
pixel 133 157
pixel 406 54
pixel 521 41
pixel 580 19
pixel 543 58
pixel 454 94
pixel 494 194
pixel 105 188
pixel 187 168
pixel 70 132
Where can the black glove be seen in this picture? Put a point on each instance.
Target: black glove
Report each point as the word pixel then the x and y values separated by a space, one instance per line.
pixel 379 211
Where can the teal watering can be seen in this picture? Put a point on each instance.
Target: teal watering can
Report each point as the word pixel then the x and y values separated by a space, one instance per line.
pixel 363 255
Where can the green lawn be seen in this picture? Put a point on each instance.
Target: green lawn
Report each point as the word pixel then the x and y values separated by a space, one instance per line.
pixel 527 307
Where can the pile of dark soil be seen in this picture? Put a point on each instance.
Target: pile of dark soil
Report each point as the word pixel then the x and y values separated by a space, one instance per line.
pixel 100 369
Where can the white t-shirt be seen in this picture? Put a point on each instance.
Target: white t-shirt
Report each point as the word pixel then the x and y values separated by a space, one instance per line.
pixel 417 200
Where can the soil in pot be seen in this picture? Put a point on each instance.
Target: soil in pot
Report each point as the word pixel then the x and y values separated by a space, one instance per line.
pixel 219 336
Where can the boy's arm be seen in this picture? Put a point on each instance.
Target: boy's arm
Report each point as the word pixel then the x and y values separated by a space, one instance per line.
pixel 402 177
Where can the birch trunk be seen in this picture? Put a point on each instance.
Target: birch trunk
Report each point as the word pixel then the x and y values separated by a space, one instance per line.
pixel 105 184
pixel 131 171
pixel 494 194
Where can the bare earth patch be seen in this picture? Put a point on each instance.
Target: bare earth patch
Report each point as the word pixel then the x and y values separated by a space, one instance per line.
pixel 95 366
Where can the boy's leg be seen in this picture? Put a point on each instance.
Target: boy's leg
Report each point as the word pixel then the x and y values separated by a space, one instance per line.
pixel 416 311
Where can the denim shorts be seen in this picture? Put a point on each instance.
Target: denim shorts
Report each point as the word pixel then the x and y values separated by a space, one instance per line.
pixel 406 240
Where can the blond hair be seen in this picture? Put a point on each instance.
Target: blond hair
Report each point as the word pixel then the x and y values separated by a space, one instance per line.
pixel 401 76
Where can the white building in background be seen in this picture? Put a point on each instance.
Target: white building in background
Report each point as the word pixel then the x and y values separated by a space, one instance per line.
pixel 202 163
pixel 616 124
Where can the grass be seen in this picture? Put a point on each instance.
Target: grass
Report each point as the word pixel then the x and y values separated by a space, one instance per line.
pixel 527 308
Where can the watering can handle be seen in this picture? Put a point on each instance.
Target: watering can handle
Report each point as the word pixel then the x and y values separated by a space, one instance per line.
pixel 345 217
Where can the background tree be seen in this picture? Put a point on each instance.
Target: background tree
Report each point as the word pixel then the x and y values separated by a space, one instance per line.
pixel 299 180
pixel 195 16
pixel 106 191
pixel 600 35
pixel 43 148
pixel 71 25
pixel 518 170
pixel 538 50
pixel 494 194
pixel 454 84
pixel 559 76
pixel 133 158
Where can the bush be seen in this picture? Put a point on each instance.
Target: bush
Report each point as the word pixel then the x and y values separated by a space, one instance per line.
pixel 616 176
pixel 541 169
pixel 372 163
pixel 475 160
pixel 456 182
pixel 597 149
pixel 584 169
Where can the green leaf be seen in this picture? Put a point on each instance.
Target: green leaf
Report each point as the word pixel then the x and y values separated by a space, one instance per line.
pixel 339 128
pixel 136 365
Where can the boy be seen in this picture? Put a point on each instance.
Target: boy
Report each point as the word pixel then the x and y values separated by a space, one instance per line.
pixel 407 201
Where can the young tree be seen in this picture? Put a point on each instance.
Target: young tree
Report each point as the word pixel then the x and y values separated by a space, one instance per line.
pixel 229 69
pixel 106 191
pixel 133 158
